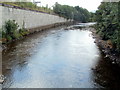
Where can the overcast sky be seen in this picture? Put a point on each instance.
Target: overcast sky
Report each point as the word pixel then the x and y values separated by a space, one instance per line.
pixel 90 5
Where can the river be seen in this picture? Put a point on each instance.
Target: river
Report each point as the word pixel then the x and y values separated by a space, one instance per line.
pixel 57 58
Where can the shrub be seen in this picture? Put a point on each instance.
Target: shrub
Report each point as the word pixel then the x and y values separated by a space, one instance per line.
pixel 11 28
pixel 9 38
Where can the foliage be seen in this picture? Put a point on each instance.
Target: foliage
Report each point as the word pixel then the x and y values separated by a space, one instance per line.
pixel 23 31
pixel 25 4
pixel 108 25
pixel 77 13
pixel 10 30
pixel 92 17
pixel 3 34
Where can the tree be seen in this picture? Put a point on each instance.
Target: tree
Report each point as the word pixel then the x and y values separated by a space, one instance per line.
pixel 77 13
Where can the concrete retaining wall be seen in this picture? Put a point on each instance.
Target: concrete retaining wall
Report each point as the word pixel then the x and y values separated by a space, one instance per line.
pixel 31 19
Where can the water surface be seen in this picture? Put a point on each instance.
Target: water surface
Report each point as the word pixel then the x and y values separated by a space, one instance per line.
pixel 54 58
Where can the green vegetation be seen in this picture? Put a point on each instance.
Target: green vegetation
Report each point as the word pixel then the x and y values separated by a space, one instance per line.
pixel 10 31
pixel 30 5
pixel 76 13
pixel 108 24
pixel 92 17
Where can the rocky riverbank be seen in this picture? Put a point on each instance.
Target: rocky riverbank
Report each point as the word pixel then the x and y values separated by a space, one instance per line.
pixel 106 48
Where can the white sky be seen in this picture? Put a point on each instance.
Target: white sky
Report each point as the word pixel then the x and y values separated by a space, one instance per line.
pixel 90 5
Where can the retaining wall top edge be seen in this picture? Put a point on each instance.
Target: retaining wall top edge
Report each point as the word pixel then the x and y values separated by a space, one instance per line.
pixel 26 9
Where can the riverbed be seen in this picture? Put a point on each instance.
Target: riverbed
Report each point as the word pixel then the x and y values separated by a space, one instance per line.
pixel 57 58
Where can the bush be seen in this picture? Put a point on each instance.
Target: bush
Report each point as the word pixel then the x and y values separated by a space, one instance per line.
pixel 9 38
pixel 11 28
pixel 23 31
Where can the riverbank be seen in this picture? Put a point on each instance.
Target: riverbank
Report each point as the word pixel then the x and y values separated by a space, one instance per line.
pixel 3 42
pixel 106 48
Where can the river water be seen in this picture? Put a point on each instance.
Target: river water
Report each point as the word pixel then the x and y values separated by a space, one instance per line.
pixel 57 58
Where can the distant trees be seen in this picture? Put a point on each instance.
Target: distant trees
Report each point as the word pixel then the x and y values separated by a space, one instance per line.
pixel 81 14
pixel 63 10
pixel 92 17
pixel 108 23
pixel 77 13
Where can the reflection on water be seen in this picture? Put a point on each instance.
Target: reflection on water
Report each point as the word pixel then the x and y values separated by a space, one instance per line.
pixel 52 59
